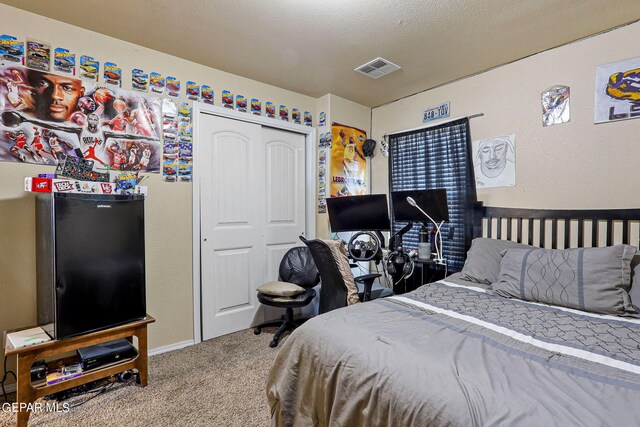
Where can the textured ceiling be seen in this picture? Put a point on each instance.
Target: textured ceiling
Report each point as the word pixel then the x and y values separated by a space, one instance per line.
pixel 312 47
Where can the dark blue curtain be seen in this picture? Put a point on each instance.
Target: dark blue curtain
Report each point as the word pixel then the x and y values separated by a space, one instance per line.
pixel 438 157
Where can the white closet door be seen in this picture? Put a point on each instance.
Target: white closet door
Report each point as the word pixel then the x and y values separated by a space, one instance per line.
pixel 285 194
pixel 252 205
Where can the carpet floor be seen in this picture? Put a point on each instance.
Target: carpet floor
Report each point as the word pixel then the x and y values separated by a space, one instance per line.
pixel 220 382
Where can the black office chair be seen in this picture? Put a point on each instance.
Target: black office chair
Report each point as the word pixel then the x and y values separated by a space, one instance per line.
pixel 297 268
pixel 335 273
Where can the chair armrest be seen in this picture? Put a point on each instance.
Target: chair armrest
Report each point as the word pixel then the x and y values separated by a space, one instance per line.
pixel 367 279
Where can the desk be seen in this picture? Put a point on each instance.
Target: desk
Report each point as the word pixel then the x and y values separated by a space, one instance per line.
pixel 26 356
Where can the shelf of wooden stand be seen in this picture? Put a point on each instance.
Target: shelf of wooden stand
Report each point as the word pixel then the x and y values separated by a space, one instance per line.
pixel 27 392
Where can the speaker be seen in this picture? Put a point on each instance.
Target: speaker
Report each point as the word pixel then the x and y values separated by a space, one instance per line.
pixel 399 263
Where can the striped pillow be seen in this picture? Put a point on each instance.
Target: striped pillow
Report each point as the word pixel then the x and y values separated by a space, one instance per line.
pixel 589 279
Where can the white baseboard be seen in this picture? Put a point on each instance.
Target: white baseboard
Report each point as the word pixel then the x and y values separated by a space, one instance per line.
pixel 171 347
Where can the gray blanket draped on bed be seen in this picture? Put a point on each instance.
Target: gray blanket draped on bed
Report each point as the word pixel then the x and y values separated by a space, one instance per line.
pixel 450 355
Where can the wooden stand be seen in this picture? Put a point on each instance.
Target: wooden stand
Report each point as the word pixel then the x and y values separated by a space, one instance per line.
pixel 26 356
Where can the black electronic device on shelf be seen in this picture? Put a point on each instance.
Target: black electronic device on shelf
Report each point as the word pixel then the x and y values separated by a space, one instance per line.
pixel 106 353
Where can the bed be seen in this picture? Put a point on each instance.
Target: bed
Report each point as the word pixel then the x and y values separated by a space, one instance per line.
pixel 480 351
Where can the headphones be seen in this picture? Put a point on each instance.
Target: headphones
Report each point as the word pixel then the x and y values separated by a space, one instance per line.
pixel 363 250
pixel 399 263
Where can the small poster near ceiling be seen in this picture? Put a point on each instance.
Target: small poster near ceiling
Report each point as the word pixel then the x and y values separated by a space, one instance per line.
pixel 617 91
pixel 348 163
pixel 494 161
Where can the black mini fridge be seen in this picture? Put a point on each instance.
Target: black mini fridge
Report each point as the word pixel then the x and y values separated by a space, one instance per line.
pixel 90 262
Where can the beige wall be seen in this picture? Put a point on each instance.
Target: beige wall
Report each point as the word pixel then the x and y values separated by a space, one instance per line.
pixel 573 165
pixel 168 207
pixel 348 113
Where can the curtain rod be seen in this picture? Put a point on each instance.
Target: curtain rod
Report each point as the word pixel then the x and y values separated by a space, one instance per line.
pixel 473 116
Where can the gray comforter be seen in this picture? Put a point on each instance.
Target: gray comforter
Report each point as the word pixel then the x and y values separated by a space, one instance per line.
pixel 451 355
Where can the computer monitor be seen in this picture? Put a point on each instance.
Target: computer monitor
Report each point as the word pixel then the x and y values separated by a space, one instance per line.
pixel 433 202
pixel 355 213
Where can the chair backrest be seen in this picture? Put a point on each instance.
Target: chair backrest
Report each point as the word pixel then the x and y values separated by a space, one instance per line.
pixel 297 266
pixel 333 292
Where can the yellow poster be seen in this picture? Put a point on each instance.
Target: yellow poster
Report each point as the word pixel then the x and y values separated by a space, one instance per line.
pixel 348 164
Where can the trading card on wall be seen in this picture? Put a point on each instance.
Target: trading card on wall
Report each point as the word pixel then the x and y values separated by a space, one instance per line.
pixel 64 61
pixel 173 87
pixel 295 115
pixel 169 109
pixel 270 110
pixel 185 149
pixel 207 94
pixel 256 107
pixel 322 121
pixel 193 91
pixel 321 141
pixel 322 205
pixel 227 99
pixel 241 103
pixel 112 74
pixel 170 147
pixel 157 82
pixel 308 120
pixel 169 167
pixel 184 112
pixel 89 68
pixel 139 80
pixel 185 169
pixel 185 131
pixel 284 113
pixel 11 50
pixel 38 55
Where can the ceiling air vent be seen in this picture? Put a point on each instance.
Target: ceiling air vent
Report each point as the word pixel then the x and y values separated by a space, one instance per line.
pixel 377 68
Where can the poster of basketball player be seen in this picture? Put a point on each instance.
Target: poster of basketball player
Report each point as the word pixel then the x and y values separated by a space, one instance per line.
pixel 44 115
pixel 348 163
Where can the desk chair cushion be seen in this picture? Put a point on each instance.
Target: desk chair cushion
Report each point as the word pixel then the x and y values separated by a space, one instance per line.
pixel 341 259
pixel 281 289
pixel 295 301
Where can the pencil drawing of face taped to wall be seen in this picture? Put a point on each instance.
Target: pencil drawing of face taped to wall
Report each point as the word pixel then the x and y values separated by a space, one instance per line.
pixel 494 161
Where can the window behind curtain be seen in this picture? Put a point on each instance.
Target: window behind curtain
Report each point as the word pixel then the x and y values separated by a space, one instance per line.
pixel 437 157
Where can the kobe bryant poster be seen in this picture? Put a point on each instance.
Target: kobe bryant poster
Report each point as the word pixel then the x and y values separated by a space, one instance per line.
pixel 348 163
pixel 617 91
pixel 45 115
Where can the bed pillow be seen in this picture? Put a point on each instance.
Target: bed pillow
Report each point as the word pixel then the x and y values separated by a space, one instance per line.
pixel 280 289
pixel 590 279
pixel 484 257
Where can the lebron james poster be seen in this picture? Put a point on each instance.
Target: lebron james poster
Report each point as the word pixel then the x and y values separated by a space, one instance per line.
pixel 348 163
pixel 45 115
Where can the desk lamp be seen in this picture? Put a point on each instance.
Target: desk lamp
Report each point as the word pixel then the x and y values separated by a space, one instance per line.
pixel 438 236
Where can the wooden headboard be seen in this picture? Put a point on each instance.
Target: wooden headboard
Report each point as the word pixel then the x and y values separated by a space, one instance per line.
pixel 559 229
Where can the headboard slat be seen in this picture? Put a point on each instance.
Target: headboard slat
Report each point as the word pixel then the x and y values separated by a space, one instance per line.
pixel 530 221
pixel 567 233
pixel 542 234
pixel 519 230
pixel 580 233
pixel 609 232
pixel 554 233
pixel 625 232
pixel 594 233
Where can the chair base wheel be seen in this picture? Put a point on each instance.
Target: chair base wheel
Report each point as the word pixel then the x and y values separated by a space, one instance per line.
pixel 257 331
pixel 273 344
